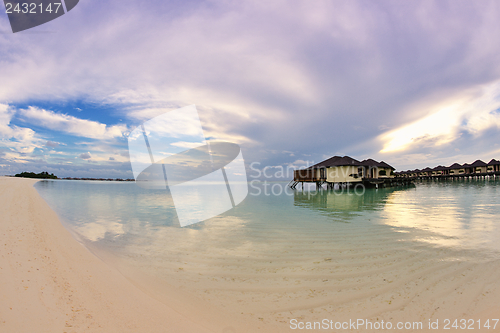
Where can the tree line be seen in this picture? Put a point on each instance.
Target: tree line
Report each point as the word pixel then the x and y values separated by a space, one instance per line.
pixel 41 175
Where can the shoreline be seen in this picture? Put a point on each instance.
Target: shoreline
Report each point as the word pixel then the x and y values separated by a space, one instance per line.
pixel 52 283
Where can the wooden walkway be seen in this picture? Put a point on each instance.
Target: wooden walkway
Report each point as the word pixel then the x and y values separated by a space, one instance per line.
pixel 366 182
pixel 396 181
pixel 477 176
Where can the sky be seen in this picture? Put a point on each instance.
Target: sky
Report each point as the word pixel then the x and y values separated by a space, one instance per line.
pixel 413 83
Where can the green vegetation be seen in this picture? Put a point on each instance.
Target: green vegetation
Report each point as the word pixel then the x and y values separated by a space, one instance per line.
pixel 41 175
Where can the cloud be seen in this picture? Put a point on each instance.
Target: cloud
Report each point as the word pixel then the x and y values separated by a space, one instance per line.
pixel 336 76
pixel 300 164
pixel 71 125
pixel 6 114
pixel 52 144
pixel 183 144
pixel 20 141
pixel 85 156
pixel 111 158
pixel 473 113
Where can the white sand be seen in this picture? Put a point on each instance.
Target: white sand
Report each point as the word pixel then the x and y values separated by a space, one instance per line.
pixel 51 283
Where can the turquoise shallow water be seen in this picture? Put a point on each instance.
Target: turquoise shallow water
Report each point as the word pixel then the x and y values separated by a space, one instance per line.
pixel 289 254
pixel 461 215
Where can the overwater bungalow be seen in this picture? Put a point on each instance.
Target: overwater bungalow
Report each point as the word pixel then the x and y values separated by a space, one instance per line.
pixel 337 169
pixel 456 169
pixel 426 172
pixel 376 169
pixel 440 171
pixel 476 169
pixel 409 173
pixel 385 170
pixel 400 174
pixel 468 169
pixel 344 170
pixel 371 167
pixel 479 167
pixel 493 166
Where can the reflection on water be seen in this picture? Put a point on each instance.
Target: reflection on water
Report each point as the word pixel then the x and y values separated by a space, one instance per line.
pixel 455 214
pixel 108 210
pixel 345 204
pixel 452 214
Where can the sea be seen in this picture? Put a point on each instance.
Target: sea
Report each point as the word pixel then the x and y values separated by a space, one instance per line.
pixel 284 252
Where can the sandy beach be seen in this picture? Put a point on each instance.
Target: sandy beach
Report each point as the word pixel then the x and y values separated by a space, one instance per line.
pixel 52 283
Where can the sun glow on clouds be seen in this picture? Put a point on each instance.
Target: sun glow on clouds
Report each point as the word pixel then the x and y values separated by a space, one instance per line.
pixel 440 127
pixel 472 114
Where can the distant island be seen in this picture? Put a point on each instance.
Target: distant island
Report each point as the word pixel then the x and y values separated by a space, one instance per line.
pixel 46 175
pixel 41 175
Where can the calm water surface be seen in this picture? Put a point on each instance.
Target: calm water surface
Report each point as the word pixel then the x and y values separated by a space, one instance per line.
pixel 461 215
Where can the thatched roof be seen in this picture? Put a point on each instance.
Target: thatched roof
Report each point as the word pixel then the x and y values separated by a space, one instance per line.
pixel 337 161
pixel 478 163
pixel 385 165
pixel 455 166
pixel 372 163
